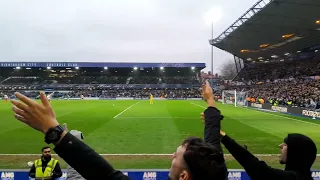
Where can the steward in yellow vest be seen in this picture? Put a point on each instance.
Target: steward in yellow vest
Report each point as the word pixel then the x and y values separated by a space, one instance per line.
pixel 46 168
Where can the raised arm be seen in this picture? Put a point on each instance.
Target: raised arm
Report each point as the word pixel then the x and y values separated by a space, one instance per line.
pixel 85 160
pixel 76 153
pixel 212 118
pixel 255 168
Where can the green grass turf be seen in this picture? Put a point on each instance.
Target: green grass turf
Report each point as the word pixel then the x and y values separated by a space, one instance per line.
pixel 145 128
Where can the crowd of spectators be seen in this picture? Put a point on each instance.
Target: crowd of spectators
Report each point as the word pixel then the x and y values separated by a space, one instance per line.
pixel 283 70
pixel 300 92
pixel 293 83
pixel 18 80
pixel 114 93
pixel 179 80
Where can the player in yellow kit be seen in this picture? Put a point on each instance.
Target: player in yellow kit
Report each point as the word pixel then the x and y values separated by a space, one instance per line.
pixel 151 98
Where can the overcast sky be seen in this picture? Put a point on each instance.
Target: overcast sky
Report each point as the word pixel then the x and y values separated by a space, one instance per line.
pixel 113 30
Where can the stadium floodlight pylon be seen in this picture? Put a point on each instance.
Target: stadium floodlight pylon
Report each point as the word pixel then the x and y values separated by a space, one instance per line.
pixel 238 98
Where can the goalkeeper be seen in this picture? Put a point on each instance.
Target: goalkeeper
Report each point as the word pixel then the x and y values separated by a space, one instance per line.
pixel 151 98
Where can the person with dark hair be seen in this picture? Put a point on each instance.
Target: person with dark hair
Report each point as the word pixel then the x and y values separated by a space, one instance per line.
pixel 195 159
pixel 45 168
pixel 298 153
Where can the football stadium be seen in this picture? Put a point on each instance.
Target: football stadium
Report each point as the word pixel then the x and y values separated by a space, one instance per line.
pixel 276 92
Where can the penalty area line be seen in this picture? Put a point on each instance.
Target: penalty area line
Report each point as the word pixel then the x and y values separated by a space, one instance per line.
pixel 125 110
pixel 198 105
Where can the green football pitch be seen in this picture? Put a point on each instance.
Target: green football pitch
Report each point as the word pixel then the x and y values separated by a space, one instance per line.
pixel 137 135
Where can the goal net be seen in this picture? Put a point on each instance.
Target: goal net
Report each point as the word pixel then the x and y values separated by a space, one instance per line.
pixel 238 98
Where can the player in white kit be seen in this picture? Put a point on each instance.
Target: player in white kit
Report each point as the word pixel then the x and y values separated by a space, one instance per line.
pixel 82 97
pixel 6 98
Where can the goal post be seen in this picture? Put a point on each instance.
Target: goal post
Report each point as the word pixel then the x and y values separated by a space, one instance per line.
pixel 237 98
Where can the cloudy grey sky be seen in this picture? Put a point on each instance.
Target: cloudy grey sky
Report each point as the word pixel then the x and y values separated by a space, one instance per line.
pixel 113 30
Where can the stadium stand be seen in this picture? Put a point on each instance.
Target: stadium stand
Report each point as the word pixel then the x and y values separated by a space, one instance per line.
pixel 276 52
pixel 102 80
pixel 276 70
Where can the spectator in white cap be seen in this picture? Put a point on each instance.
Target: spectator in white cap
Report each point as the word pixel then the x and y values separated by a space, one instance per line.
pixel 72 174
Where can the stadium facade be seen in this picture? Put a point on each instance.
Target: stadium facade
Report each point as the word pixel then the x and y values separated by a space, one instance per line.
pixel 273 31
pixel 102 80
pixel 276 49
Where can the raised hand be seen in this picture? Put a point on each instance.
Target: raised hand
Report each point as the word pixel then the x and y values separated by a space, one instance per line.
pixel 222 133
pixel 207 94
pixel 39 116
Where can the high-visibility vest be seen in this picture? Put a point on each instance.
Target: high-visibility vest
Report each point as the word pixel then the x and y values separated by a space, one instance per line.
pixel 47 172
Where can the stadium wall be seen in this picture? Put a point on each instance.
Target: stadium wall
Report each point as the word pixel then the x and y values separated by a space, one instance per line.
pixel 288 110
pixel 134 175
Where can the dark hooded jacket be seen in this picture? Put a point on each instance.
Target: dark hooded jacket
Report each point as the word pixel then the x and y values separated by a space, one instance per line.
pixel 301 155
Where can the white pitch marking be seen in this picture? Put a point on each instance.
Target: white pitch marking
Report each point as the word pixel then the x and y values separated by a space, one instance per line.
pixel 284 117
pixel 273 115
pixel 125 110
pixel 198 105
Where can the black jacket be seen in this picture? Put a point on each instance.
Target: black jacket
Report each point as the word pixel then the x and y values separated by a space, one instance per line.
pixel 301 155
pixel 212 135
pixel 86 161
pixel 212 127
pixel 56 172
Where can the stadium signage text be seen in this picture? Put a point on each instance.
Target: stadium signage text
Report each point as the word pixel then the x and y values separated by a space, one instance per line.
pixel 234 176
pixel 7 176
pixel 149 176
pixel 279 109
pixel 290 110
pixel 99 64
pixel 18 64
pixel 316 175
pixel 58 64
pixel 311 113
pixel 26 64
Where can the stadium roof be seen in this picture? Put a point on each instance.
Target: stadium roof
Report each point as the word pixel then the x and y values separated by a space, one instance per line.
pixel 273 29
pixel 101 64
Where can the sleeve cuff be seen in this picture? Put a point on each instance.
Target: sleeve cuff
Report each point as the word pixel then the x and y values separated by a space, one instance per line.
pixel 212 111
pixel 225 139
